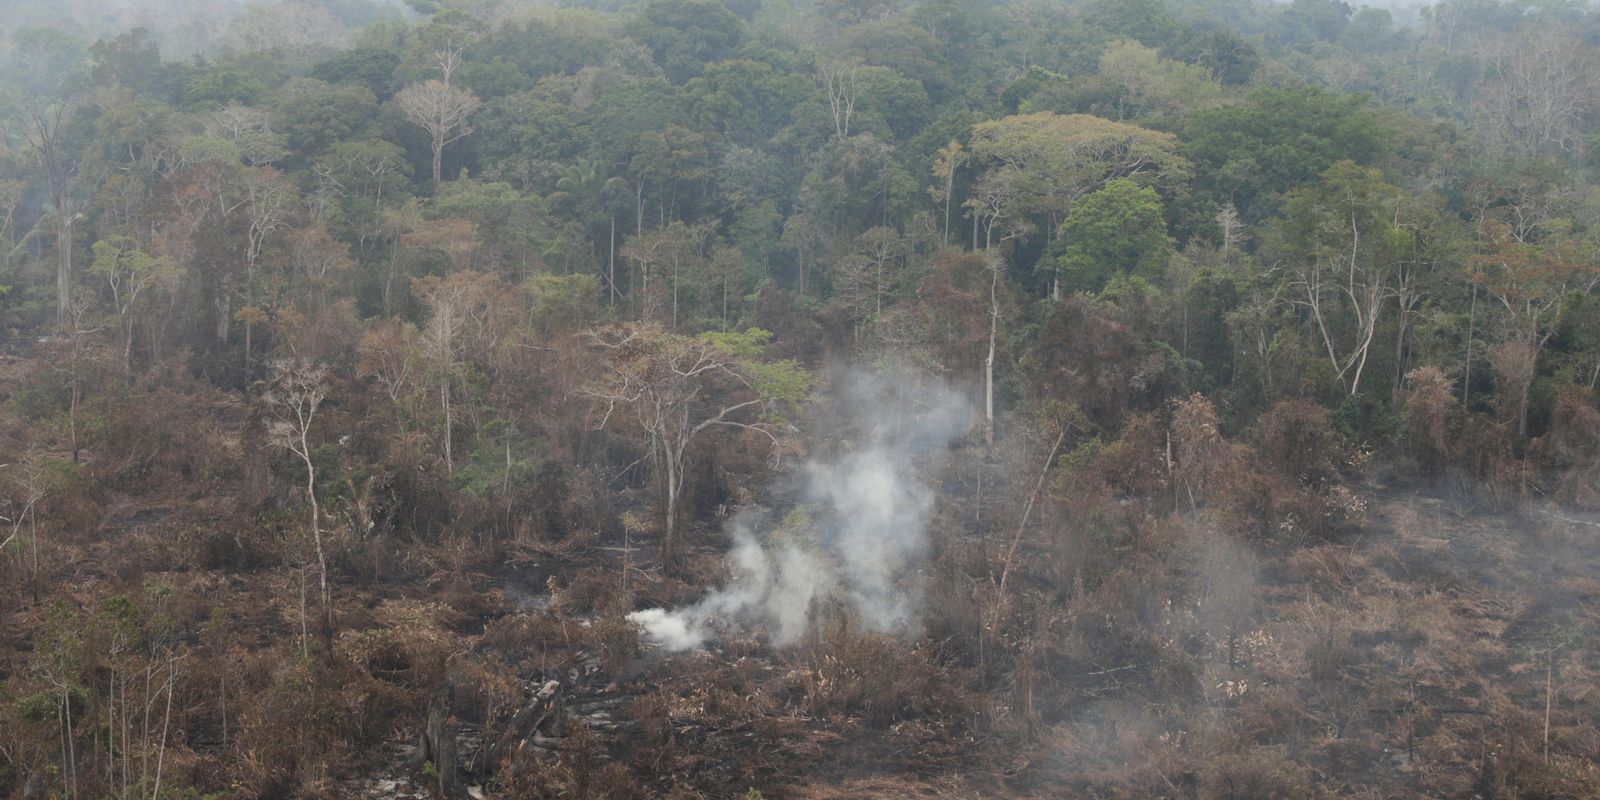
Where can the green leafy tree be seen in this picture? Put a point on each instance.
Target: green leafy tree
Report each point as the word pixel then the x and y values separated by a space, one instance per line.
pixel 590 194
pixel 1250 155
pixel 1118 230
pixel 1036 166
pixel 130 273
pixel 684 35
pixel 314 116
pixel 1339 243
pixel 372 67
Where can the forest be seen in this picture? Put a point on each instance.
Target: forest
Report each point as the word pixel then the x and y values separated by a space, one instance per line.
pixel 809 399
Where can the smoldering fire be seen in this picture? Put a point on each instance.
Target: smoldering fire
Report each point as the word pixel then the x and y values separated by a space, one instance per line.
pixel 865 533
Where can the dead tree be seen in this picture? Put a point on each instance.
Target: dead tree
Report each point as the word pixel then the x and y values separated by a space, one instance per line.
pixel 298 389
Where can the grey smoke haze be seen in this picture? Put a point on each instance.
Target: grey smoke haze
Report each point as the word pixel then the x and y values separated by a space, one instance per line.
pixel 186 28
pixel 868 517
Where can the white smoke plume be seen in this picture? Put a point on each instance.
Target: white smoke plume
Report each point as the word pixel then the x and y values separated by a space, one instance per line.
pixel 862 520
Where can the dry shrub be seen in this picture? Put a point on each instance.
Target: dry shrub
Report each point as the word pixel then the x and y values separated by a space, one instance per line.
pixel 591 590
pixel 1114 639
pixel 1270 714
pixel 1296 440
pixel 411 643
pixel 522 633
pixel 408 489
pixel 1222 576
pixel 879 679
pixel 715 716
pixel 1429 402
pixel 615 638
pixel 1259 773
pixel 1511 759
pixel 1209 468
pixel 1509 478
pixel 1571 450
pixel 176 435
pixel 881 788
pixel 1114 749
pixel 1087 358
pixel 1318 512
pixel 581 772
pixel 1322 566
pixel 484 689
pixel 1133 465
pixel 294 728
pixel 1514 365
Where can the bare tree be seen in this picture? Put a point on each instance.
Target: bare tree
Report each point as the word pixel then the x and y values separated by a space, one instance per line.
pixel 78 329
pixel 11 193
pixel 679 387
pixel 1531 284
pixel 464 307
pixel 30 485
pixel 839 82
pixel 1336 238
pixel 249 129
pixel 442 111
pixel 868 272
pixel 268 203
pixel 297 391
pixel 60 165
pixel 945 164
pixel 995 266
pixel 1538 93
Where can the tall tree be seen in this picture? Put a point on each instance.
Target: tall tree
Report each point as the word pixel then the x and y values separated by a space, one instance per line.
pixel 442 111
pixel 1338 241
pixel 130 272
pixel 1039 165
pixel 1118 230
pixel 296 394
pixel 678 388
pixel 1530 283
pixel 47 136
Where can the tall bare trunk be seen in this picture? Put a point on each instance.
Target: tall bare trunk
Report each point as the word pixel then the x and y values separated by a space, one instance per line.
pixel 670 528
pixel 444 399
pixel 316 538
pixel 1466 366
pixel 63 259
pixel 988 364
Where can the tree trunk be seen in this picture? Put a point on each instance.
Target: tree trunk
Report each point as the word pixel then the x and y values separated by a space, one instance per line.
pixel 63 259
pixel 438 155
pixel 444 399
pixel 1399 355
pixel 988 364
pixel 72 414
pixel 1522 401
pixel 224 304
pixel 437 746
pixel 670 528
pixel 316 538
pixel 1466 365
pixel 949 189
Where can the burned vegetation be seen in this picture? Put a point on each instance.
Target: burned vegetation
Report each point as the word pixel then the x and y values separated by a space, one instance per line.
pixel 688 399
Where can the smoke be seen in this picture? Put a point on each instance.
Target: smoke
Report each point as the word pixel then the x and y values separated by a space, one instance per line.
pixel 856 535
